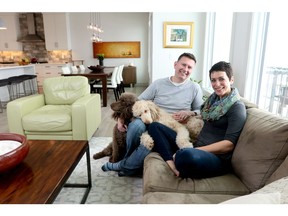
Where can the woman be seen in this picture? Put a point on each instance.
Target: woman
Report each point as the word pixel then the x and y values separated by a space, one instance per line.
pixel 224 116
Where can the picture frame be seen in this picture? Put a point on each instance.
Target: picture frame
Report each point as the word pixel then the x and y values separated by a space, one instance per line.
pixel 178 34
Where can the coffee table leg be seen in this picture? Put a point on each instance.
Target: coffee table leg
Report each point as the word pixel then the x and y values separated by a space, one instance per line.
pixel 89 184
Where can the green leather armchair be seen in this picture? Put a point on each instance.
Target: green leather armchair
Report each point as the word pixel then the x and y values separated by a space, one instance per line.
pixel 65 111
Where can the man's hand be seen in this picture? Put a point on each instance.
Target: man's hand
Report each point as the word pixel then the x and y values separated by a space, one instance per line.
pixel 182 116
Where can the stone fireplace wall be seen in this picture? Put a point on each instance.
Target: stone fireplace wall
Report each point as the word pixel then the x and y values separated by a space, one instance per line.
pixel 33 49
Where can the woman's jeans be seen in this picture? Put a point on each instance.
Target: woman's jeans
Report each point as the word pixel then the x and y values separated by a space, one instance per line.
pixel 190 162
pixel 132 164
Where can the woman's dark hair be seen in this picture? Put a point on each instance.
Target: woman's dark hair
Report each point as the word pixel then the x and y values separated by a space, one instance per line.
pixel 222 66
pixel 188 55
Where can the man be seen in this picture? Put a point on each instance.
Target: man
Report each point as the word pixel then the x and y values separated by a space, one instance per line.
pixel 177 95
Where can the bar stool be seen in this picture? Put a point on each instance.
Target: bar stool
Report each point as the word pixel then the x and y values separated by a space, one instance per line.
pixel 31 78
pixel 14 87
pixel 3 82
pixel 15 84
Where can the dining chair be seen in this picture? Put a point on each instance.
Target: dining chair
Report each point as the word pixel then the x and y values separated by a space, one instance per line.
pixel 120 77
pixel 113 85
pixel 81 68
pixel 66 70
pixel 74 69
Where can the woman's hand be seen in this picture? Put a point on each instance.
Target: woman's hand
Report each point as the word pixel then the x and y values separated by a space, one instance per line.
pixel 121 126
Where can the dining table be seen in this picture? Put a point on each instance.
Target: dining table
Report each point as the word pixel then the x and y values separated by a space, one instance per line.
pixel 97 75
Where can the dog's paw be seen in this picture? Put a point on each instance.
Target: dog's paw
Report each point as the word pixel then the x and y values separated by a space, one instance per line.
pixel 147 141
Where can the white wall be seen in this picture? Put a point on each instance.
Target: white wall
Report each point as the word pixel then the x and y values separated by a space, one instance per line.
pixel 239 50
pixel 135 27
pixel 117 27
pixel 163 58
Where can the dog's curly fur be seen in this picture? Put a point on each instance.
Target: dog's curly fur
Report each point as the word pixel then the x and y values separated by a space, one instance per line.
pixel 194 125
pixel 149 112
pixel 122 109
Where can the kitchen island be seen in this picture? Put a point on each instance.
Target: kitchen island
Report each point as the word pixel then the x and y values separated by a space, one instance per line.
pixel 9 71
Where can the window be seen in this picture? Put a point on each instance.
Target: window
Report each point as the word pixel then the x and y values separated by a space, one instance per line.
pixel 218 39
pixel 273 94
pixel 260 55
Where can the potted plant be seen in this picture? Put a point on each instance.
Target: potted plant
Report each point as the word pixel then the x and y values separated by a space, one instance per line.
pixel 100 57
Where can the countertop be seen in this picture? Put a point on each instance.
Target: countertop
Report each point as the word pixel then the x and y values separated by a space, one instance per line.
pixel 7 67
pixel 13 65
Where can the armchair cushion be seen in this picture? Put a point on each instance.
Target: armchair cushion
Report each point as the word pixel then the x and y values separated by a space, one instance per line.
pixel 65 90
pixel 40 119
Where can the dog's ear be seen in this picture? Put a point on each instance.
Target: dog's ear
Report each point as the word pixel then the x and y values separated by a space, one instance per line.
pixel 154 110
pixel 135 108
pixel 116 106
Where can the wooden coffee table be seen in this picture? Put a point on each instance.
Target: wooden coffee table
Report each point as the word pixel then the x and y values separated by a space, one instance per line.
pixel 44 172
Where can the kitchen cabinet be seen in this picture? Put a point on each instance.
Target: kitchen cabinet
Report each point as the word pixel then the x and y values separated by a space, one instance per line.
pixel 44 71
pixel 129 75
pixel 57 31
pixel 9 36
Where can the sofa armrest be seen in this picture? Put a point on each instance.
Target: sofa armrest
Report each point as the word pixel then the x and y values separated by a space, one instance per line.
pixel 18 108
pixel 86 115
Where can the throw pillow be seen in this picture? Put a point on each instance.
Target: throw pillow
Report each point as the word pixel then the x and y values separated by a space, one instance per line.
pixel 269 198
pixel 280 186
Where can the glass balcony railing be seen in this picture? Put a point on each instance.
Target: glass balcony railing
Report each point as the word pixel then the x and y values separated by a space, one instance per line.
pixel 274 91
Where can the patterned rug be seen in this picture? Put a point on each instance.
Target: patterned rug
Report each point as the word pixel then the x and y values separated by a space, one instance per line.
pixel 107 187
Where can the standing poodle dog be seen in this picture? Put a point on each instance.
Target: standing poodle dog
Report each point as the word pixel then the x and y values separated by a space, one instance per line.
pixel 150 112
pixel 122 109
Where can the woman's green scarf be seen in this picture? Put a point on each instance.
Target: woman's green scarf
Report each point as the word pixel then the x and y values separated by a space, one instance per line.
pixel 214 107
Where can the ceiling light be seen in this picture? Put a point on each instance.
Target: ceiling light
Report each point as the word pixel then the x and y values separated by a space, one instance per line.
pixel 95 26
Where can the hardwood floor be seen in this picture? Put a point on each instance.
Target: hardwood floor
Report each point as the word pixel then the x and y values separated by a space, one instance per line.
pixel 105 128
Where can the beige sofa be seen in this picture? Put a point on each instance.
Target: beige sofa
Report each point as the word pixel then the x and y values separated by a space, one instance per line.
pixel 260 158
pixel 65 111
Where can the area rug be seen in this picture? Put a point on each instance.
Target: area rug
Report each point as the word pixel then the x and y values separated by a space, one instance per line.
pixel 107 187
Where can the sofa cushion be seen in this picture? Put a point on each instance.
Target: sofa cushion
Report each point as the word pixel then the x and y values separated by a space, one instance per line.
pixel 64 90
pixel 158 176
pixel 261 148
pixel 48 118
pixel 181 198
pixel 275 192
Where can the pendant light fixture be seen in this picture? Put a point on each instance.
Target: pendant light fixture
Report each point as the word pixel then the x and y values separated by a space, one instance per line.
pixel 95 26
pixel 2 24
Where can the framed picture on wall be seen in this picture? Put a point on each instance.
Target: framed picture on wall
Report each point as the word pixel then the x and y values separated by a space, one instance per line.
pixel 178 34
